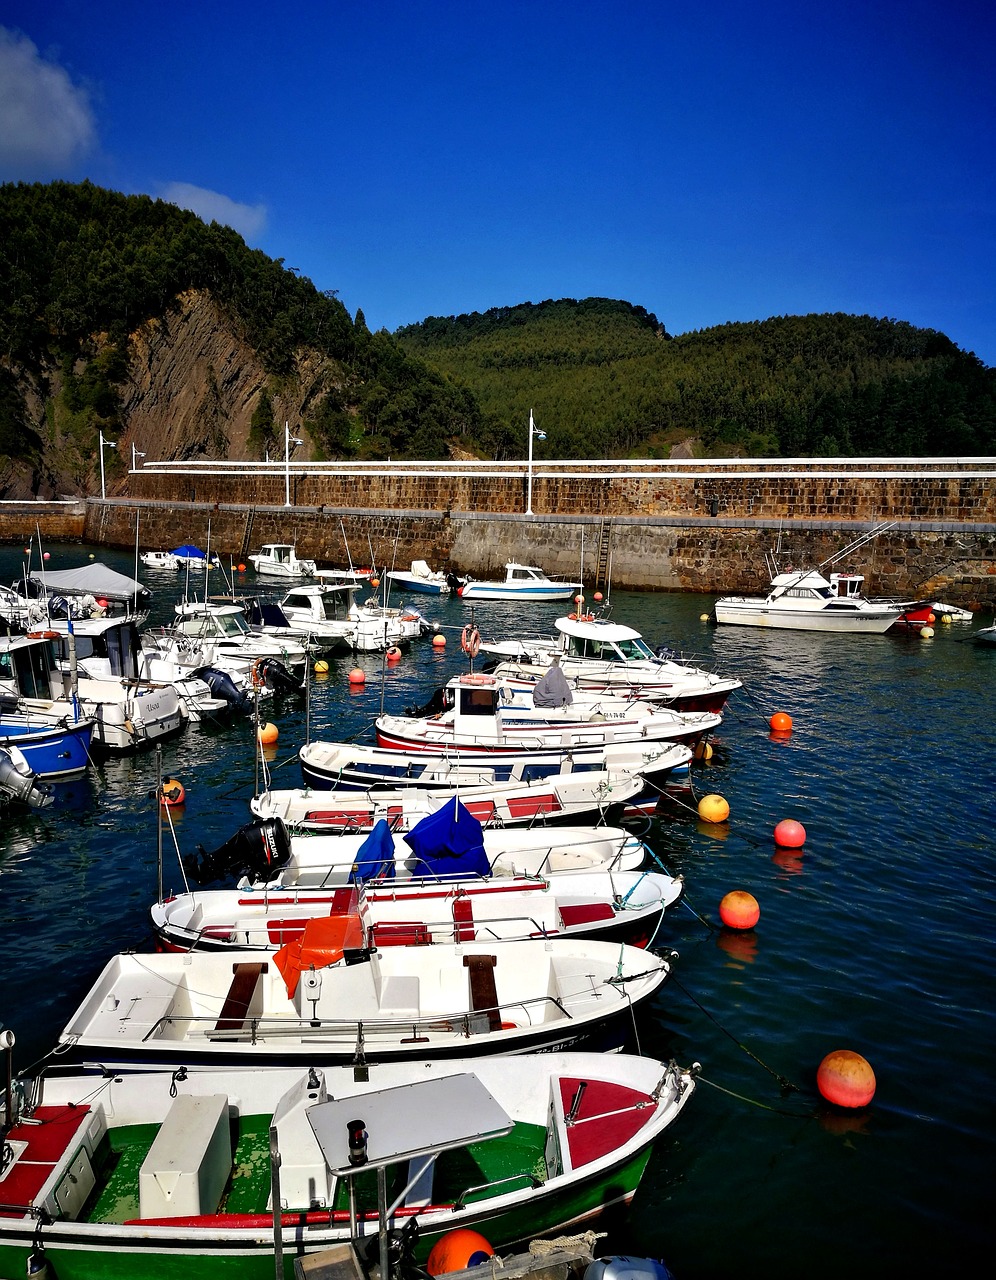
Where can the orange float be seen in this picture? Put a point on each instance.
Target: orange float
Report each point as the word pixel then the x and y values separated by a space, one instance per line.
pixel 781 722
pixel 267 733
pixel 393 654
pixel 457 1250
pixel 846 1079
pixel 790 834
pixel 739 910
pixel 172 793
pixel 438 641
pixel 356 676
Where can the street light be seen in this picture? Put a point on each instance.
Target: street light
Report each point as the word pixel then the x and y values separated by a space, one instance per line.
pixel 111 445
pixel 540 435
pixel 135 453
pixel 288 441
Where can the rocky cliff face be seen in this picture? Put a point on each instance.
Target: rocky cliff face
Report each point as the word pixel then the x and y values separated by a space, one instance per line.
pixel 193 384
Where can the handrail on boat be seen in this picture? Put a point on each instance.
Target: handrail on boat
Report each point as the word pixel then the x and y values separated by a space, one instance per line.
pixel 533 1179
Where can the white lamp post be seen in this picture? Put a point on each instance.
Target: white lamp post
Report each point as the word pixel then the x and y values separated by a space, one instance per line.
pixel 540 435
pixel 135 453
pixel 110 445
pixel 288 441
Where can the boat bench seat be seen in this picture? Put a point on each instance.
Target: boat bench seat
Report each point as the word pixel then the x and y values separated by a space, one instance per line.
pixel 235 1010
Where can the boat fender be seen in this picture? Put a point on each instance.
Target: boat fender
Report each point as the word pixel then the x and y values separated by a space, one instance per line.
pixel 477 677
pixel 470 641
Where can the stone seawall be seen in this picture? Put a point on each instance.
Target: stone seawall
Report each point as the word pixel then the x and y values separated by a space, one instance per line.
pixel 58 521
pixel 954 561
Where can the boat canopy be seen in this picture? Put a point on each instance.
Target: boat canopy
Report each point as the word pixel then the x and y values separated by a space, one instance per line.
pixel 449 842
pixel 190 551
pixel 95 580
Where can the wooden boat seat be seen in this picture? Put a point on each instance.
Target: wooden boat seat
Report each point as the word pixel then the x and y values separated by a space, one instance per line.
pixel 235 1010
pixel 483 991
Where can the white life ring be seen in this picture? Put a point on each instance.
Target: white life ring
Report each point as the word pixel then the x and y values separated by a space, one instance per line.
pixel 470 641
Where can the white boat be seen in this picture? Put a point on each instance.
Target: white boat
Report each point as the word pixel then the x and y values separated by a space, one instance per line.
pixel 592 796
pixel 522 582
pixel 620 906
pixel 807 601
pixel 513 1147
pixel 160 560
pixel 953 611
pixel 55 681
pixel 222 631
pixel 421 578
pixel 279 560
pixel 478 712
pixel 329 766
pixel 318 1001
pixel 984 636
pixel 449 844
pixel 192 557
pixel 328 611
pixel 597 655
pixel 394 626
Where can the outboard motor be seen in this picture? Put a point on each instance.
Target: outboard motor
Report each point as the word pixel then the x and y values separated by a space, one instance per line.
pixel 276 676
pixel 454 583
pixel 18 781
pixel 257 850
pixel 222 685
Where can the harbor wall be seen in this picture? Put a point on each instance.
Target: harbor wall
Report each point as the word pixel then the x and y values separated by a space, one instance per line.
pixel 954 561
pixel 57 521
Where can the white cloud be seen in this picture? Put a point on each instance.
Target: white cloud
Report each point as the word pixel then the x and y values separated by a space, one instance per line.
pixel 247 219
pixel 46 121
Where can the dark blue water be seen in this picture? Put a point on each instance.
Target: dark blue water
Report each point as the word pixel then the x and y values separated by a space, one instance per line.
pixel 877 936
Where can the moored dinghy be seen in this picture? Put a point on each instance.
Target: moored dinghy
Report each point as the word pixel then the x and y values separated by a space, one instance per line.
pixel 619 906
pixel 87 1188
pixel 323 996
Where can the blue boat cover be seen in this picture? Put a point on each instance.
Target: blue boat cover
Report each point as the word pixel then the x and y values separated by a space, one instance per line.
pixel 189 550
pixel 375 856
pixel 449 842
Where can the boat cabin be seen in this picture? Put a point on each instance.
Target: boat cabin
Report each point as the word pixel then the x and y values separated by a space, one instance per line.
pixel 325 603
pixel 603 641
pixel 105 647
pixel 26 668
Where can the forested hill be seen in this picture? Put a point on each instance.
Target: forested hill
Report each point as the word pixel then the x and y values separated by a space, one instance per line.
pixel 603 379
pixel 130 316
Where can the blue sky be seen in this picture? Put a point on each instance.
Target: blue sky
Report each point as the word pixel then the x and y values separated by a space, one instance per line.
pixel 712 161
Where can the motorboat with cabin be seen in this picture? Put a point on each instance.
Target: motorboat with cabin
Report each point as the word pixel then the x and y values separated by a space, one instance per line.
pixel 521 582
pixel 327 611
pixel 601 656
pixel 481 713
pixel 280 560
pixel 426 581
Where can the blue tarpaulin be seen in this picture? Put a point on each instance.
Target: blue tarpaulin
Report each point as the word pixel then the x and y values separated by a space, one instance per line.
pixel 449 842
pixel 375 856
pixel 194 553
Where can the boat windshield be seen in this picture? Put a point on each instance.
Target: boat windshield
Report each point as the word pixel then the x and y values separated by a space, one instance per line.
pixel 32 668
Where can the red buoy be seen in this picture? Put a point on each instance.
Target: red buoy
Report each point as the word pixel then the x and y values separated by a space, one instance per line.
pixel 457 1250
pixel 790 834
pixel 739 910
pixel 357 676
pixel 439 641
pixel 393 654
pixel 781 722
pixel 172 793
pixel 846 1079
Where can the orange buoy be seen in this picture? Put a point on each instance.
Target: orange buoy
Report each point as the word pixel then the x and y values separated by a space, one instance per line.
pixel 356 676
pixel 242 568
pixel 172 793
pixel 598 597
pixel 846 1079
pixel 457 1250
pixel 375 582
pixel 393 654
pixel 439 641
pixel 267 733
pixel 790 834
pixel 931 617
pixel 781 722
pixel 714 808
pixel 739 910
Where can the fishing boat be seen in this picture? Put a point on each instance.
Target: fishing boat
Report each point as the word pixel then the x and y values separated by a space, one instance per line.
pixel 280 560
pixel 327 611
pixel 160 1176
pixel 123 712
pixel 322 998
pixel 521 582
pixel 18 781
pixel 208 634
pixel 426 581
pixel 600 656
pixel 592 796
pixel 479 712
pixel 610 906
pixel 327 766
pixel 55 747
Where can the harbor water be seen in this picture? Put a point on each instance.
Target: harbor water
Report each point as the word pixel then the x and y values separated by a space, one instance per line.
pixel 877 935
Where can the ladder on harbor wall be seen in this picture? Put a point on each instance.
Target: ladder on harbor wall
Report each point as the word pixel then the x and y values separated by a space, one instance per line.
pixel 247 533
pixel 603 557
